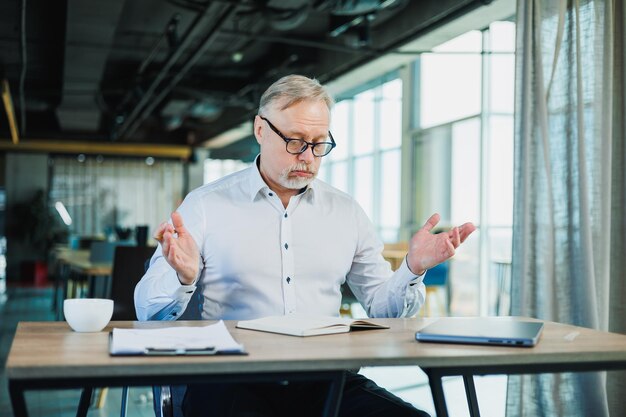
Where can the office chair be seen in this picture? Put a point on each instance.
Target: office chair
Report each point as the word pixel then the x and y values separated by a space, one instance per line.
pixel 129 265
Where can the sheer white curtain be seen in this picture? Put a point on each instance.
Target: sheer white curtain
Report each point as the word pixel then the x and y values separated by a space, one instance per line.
pixel 570 191
pixel 100 194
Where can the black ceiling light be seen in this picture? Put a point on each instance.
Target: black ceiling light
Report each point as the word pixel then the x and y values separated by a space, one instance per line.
pixel 358 15
pixel 361 7
pixel 286 19
pixel 282 19
pixel 171 31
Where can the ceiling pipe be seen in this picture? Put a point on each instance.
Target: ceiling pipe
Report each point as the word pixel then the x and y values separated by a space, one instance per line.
pixel 197 54
pixel 171 26
pixel 188 38
pixel 168 33
pixel 302 42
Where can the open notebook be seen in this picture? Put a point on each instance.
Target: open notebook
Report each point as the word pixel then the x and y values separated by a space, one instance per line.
pixel 305 325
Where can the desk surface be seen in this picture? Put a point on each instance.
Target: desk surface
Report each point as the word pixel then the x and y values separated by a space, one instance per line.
pixel 78 260
pixel 395 257
pixel 43 350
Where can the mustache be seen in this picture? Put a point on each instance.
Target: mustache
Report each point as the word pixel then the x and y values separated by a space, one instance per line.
pixel 302 167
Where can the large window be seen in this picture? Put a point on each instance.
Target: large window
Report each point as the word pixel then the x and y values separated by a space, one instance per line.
pixel 102 194
pixel 218 168
pixel 463 158
pixel 367 126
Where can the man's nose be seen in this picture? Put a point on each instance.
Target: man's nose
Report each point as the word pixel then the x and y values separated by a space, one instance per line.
pixel 307 155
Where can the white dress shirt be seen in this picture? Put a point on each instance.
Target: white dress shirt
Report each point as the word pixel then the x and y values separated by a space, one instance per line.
pixel 260 258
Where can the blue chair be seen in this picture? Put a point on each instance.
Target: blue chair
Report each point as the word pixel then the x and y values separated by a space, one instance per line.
pixel 436 279
pixel 101 252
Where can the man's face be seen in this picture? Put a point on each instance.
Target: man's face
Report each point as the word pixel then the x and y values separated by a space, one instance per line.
pixel 307 120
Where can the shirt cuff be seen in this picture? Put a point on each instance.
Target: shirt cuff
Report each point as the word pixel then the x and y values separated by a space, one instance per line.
pixel 180 292
pixel 407 276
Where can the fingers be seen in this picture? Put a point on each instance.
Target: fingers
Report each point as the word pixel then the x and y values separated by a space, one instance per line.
pixel 177 226
pixel 158 234
pixel 455 237
pixel 431 222
pixel 177 220
pixel 165 236
pixel 450 249
pixel 460 233
pixel 166 243
pixel 466 230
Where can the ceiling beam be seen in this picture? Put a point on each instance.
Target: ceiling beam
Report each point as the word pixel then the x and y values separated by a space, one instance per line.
pixel 8 107
pixel 153 101
pixel 84 147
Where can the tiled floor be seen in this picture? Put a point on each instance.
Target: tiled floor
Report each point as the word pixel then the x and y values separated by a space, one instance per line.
pixel 35 304
pixel 410 383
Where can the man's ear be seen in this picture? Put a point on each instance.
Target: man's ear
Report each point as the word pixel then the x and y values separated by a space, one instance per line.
pixel 258 129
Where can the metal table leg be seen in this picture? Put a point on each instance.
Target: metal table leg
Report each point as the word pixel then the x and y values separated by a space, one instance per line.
pixel 439 399
pixel 436 389
pixel 85 401
pixel 470 393
pixel 16 392
pixel 333 399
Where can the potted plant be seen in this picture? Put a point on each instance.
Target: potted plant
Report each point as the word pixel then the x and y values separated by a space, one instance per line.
pixel 37 226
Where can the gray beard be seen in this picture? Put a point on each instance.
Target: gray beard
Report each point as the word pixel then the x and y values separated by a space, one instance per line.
pixel 295 183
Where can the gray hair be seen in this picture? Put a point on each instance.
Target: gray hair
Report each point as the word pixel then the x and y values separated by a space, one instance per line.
pixel 293 89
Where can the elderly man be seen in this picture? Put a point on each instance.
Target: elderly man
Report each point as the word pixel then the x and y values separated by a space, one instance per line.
pixel 272 240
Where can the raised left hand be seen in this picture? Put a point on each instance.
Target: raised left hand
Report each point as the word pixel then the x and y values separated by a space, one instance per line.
pixel 427 250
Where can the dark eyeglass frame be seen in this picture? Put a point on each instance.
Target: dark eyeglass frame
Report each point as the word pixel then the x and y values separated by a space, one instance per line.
pixel 305 144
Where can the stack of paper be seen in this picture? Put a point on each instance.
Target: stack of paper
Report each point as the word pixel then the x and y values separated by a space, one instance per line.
pixel 206 340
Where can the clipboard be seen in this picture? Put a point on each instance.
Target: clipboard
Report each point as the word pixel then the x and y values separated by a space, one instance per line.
pixel 208 340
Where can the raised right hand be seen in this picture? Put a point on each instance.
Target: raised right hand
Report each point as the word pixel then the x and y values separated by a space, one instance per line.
pixel 179 249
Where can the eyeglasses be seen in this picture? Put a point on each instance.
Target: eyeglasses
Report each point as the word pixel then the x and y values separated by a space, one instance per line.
pixel 298 146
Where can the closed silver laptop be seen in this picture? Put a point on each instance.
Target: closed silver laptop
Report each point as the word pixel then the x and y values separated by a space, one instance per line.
pixel 502 331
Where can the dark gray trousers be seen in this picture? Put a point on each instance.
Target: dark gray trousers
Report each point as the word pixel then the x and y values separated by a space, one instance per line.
pixel 361 398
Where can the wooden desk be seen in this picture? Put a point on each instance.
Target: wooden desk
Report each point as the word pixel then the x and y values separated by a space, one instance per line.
pixel 78 261
pixel 395 257
pixel 98 276
pixel 75 263
pixel 48 355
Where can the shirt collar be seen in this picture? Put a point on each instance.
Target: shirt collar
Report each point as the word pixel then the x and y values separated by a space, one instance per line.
pixel 257 184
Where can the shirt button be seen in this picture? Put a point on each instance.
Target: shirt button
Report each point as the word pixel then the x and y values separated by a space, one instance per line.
pixel 288 280
pixel 271 194
pixel 286 246
pixel 285 215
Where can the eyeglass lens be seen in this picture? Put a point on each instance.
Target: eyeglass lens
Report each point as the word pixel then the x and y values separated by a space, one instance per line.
pixel 296 146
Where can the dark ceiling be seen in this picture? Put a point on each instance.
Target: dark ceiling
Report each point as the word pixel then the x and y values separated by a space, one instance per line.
pixel 183 71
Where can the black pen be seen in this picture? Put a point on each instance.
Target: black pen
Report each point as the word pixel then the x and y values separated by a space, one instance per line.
pixel 210 350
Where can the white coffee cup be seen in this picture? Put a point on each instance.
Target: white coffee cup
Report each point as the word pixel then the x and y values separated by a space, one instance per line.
pixel 87 314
